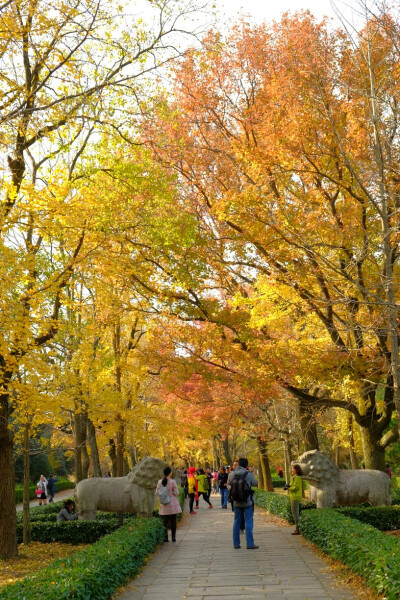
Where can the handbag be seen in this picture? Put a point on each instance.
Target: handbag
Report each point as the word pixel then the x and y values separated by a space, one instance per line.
pixel 38 493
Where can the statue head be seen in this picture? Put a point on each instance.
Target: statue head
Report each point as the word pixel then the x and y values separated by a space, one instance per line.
pixel 317 466
pixel 147 472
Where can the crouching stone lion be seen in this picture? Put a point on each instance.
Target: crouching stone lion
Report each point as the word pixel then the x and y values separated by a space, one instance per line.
pixel 134 493
pixel 340 487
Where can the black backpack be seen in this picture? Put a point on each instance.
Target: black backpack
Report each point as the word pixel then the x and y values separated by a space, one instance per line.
pixel 240 489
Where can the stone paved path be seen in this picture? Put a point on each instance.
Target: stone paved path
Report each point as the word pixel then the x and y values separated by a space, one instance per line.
pixel 202 564
pixel 63 495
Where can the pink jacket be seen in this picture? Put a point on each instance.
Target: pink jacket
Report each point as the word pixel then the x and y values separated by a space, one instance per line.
pixel 173 507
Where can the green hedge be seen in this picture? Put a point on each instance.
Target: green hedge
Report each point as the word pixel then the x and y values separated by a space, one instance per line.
pixel 71 532
pixel 60 486
pixel 365 550
pixel 278 483
pixel 384 518
pixel 279 504
pixel 395 496
pixel 95 572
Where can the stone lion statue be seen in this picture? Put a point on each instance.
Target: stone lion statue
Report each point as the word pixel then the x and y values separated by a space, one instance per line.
pixel 134 493
pixel 340 487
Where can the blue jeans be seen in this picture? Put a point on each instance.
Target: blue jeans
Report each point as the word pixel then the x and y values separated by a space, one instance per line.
pixel 248 513
pixel 224 496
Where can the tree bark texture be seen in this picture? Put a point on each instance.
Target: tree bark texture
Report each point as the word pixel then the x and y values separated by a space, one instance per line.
pixel 94 450
pixel 85 454
pixel 26 499
pixel 266 471
pixel 8 518
pixel 308 427
pixel 287 448
pixel 227 450
pixel 78 446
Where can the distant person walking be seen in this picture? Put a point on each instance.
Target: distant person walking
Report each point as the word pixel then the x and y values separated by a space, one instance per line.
pixel 388 470
pixel 192 489
pixel 169 511
pixel 184 482
pixel 51 486
pixel 222 486
pixel 203 488
pixel 41 490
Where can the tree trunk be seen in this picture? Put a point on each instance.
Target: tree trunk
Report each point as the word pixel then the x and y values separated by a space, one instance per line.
pixel 287 448
pixel 85 454
pixel 261 483
pixel 126 467
pixel 337 455
pixel 78 447
pixel 113 457
pixel 353 455
pixel 94 450
pixel 120 450
pixel 227 451
pixel 266 471
pixel 8 518
pixel 374 453
pixel 308 427
pixel 26 499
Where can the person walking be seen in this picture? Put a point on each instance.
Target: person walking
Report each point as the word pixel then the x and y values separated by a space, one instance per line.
pixel 222 486
pixel 240 484
pixel 295 488
pixel 203 488
pixel 184 482
pixel 215 481
pixel 41 490
pixel 169 510
pixel 51 486
pixel 192 489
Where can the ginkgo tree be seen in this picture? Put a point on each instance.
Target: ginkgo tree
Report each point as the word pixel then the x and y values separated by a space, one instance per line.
pixel 67 72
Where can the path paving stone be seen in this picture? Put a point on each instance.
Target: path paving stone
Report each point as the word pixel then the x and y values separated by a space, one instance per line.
pixel 203 565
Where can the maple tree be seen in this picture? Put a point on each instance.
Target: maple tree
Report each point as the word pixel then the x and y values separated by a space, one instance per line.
pixel 277 139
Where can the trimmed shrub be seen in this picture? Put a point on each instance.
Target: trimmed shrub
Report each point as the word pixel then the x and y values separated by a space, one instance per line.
pixel 276 504
pixel 72 532
pixel 365 550
pixel 278 483
pixel 95 572
pixel 395 496
pixel 384 518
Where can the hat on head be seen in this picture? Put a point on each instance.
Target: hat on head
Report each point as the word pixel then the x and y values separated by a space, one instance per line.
pixel 192 470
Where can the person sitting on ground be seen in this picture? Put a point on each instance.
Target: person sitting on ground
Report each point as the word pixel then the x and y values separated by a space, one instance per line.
pixel 67 512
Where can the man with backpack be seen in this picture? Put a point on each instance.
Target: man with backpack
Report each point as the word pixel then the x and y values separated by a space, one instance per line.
pixel 240 484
